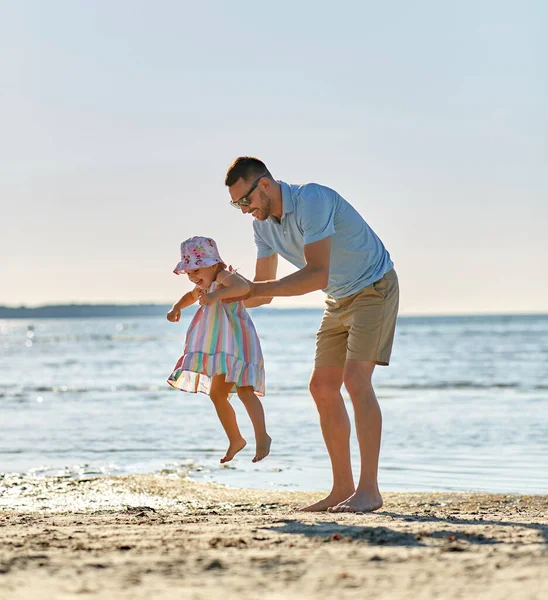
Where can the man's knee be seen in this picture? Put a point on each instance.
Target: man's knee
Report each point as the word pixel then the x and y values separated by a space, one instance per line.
pixel 325 384
pixel 357 376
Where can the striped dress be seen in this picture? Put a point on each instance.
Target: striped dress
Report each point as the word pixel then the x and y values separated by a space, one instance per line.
pixel 221 339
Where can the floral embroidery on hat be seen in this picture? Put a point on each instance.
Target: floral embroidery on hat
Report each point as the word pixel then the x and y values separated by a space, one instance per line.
pixel 198 252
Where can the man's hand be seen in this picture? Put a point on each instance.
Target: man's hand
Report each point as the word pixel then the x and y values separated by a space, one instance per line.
pixel 174 315
pixel 246 296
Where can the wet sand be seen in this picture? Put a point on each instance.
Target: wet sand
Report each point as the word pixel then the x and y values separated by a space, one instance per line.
pixel 166 537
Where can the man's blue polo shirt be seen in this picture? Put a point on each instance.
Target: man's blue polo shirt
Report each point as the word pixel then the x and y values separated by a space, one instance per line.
pixel 312 212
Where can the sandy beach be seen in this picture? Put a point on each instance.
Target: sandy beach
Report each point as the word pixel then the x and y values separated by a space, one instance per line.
pixel 168 537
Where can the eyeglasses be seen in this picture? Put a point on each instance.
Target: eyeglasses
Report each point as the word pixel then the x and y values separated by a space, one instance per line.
pixel 244 200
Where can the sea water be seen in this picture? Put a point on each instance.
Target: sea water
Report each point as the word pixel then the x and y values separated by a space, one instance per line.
pixel 464 402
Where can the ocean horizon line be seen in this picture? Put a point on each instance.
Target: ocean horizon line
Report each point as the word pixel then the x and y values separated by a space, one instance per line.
pixel 144 309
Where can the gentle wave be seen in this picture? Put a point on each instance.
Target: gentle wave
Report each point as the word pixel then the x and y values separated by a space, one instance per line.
pixel 273 389
pixel 458 385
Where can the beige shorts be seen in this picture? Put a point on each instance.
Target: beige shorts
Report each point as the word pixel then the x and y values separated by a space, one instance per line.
pixel 360 326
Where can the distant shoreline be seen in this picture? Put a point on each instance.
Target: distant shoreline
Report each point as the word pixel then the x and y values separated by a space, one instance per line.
pixel 68 311
pixel 72 311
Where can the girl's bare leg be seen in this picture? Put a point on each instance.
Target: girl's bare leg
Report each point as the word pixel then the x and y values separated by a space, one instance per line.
pixel 219 396
pixel 256 414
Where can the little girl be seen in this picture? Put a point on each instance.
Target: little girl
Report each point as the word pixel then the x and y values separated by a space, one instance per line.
pixel 222 353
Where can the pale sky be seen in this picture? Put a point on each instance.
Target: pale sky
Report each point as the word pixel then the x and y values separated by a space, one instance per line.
pixel 118 119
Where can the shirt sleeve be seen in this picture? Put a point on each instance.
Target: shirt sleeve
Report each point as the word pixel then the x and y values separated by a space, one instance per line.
pixel 316 213
pixel 263 249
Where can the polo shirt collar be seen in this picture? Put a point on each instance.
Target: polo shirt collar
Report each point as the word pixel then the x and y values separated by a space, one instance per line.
pixel 287 199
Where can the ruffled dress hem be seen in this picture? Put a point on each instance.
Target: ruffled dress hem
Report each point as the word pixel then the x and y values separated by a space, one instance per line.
pixel 193 372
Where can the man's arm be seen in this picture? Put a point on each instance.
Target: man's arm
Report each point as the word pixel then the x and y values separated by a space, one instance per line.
pixel 233 286
pixel 265 270
pixel 314 276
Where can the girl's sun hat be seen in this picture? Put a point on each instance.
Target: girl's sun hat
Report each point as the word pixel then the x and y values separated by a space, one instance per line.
pixel 198 252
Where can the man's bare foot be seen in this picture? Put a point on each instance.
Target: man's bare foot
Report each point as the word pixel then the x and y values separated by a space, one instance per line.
pixel 262 448
pixel 322 505
pixel 359 502
pixel 233 449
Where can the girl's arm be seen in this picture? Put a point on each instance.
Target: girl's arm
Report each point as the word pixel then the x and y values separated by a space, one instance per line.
pixel 189 298
pixel 232 286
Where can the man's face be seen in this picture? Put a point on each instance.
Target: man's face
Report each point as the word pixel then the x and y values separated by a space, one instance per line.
pixel 256 191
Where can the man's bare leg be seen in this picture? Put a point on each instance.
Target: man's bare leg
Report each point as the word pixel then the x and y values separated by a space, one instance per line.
pixel 325 387
pixel 357 380
pixel 219 396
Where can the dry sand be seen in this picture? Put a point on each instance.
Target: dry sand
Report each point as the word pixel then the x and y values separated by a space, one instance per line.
pixel 165 537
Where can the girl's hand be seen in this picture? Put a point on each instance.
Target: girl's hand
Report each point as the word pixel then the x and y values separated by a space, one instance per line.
pixel 174 315
pixel 206 299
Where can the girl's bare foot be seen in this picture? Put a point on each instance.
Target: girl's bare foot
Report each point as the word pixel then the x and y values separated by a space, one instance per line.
pixel 262 448
pixel 233 449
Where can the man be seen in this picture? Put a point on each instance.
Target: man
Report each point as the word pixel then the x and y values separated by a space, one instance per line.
pixel 335 250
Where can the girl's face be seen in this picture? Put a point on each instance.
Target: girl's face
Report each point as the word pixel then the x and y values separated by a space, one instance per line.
pixel 203 277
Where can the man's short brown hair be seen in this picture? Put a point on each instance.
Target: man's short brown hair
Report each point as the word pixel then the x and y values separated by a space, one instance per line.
pixel 245 167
